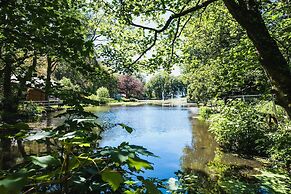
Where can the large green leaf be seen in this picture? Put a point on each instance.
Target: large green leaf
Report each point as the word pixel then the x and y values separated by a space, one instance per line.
pixel 44 161
pixel 38 136
pixel 12 184
pixel 113 178
pixel 139 164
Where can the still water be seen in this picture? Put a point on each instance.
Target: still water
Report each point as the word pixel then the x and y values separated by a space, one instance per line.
pixel 165 131
pixel 172 133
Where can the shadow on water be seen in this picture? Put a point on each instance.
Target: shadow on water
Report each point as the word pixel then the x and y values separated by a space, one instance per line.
pixel 204 149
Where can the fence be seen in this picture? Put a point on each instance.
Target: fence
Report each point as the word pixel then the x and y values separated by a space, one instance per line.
pixel 45 103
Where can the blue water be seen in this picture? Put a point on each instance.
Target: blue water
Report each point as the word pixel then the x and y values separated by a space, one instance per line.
pixel 165 131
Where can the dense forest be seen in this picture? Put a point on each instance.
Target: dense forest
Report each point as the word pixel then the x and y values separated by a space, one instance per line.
pixel 60 57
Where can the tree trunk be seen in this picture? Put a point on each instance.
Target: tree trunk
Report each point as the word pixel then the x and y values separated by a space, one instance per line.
pixel 27 77
pixel 9 113
pixel 9 105
pixel 247 14
pixel 48 78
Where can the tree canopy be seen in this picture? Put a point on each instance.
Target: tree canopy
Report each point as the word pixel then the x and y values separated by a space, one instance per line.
pixel 251 15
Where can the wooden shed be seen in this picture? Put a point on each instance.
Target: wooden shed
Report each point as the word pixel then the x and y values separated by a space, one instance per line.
pixel 34 94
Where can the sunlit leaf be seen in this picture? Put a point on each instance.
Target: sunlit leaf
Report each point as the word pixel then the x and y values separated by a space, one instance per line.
pixel 83 120
pixel 38 136
pixel 68 136
pixel 139 164
pixel 113 178
pixel 44 161
pixel 129 192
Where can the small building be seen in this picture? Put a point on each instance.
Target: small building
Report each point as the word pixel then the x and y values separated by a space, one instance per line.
pixel 35 94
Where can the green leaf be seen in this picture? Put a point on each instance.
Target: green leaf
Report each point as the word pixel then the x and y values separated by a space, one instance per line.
pixel 113 178
pixel 68 136
pixel 38 136
pixel 21 126
pixel 44 161
pixel 139 164
pixel 12 184
pixel 127 128
pixel 151 187
pixel 129 192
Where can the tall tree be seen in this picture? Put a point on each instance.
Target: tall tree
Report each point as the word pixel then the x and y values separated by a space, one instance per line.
pixel 248 13
pixel 30 28
pixel 219 59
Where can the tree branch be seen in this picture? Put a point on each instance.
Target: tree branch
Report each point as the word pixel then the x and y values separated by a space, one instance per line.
pixel 167 24
pixel 174 16
pixel 184 25
pixel 174 39
pixel 149 48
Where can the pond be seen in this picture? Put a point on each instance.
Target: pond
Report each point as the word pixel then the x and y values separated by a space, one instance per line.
pixel 174 134
pixel 168 132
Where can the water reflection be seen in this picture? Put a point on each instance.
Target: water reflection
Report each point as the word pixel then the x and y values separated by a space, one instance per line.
pixel 173 133
pixel 180 141
pixel 165 131
pixel 202 149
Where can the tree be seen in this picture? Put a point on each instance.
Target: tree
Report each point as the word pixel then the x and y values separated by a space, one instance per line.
pixel 248 13
pixel 34 28
pixel 163 85
pixel 130 86
pixel 91 80
pixel 219 59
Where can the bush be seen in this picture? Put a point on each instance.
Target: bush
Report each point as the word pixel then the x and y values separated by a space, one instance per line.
pixel 102 95
pixel 240 127
pixel 102 92
pixel 281 150
pixel 205 112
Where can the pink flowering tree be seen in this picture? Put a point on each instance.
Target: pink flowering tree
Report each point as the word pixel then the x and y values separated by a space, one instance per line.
pixel 130 86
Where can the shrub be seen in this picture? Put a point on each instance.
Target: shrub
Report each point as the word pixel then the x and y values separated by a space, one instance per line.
pixel 205 112
pixel 102 92
pixel 102 95
pixel 281 150
pixel 241 128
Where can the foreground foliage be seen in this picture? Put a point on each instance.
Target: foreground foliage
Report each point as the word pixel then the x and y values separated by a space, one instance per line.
pixel 72 161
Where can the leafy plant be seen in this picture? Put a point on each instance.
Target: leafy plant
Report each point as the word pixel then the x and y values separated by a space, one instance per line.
pixel 281 150
pixel 205 112
pixel 73 161
pixel 241 128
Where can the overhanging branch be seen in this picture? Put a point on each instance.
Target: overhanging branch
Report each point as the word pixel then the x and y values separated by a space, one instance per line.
pixel 167 24
pixel 174 16
pixel 149 48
